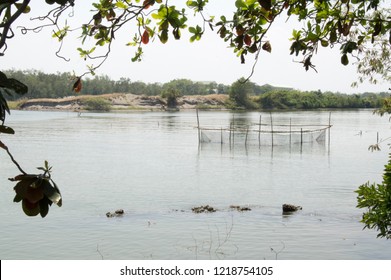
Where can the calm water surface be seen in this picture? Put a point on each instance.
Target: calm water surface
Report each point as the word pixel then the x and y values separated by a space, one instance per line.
pixel 150 165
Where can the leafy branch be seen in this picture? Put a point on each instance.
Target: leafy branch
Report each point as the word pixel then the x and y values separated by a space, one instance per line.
pixel 36 191
pixel 376 199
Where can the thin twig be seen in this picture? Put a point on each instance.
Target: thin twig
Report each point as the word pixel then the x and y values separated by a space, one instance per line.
pixel 2 145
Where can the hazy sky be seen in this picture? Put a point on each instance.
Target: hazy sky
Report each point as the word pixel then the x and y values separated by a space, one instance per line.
pixel 207 60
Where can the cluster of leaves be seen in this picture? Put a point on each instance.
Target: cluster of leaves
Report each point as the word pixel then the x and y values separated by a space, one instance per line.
pixel 354 25
pixel 385 108
pixel 245 32
pixel 362 29
pixel 376 198
pixel 8 86
pixel 37 192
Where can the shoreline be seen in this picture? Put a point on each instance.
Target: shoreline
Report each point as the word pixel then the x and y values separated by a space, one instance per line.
pixel 121 101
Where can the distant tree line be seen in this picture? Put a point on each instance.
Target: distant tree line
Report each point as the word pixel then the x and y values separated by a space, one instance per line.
pixel 294 99
pixel 43 85
pixel 242 95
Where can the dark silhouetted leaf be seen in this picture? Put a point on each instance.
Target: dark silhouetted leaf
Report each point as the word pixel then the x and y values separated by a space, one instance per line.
pixel 17 198
pixel 44 207
pixel 344 60
pixel 6 130
pixel 17 86
pixel 266 4
pixel 267 47
pixel 77 85
pixel 30 209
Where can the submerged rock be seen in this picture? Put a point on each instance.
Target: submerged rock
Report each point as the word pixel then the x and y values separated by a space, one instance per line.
pixel 203 209
pixel 289 208
pixel 116 213
pixel 239 208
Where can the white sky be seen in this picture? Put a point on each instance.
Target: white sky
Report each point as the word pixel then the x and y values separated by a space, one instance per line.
pixel 206 60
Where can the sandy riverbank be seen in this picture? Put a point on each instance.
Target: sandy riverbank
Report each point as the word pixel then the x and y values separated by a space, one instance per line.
pixel 120 101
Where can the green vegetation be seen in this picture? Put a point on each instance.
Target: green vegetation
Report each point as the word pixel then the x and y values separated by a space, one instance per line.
pixel 171 94
pixel 239 94
pixel 376 198
pixel 97 104
pixel 43 85
pixel 360 29
pixel 293 99
pixel 242 95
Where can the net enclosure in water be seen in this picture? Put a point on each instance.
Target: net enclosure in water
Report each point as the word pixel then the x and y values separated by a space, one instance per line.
pixel 265 134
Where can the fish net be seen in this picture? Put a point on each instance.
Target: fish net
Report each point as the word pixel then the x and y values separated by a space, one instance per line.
pixel 248 136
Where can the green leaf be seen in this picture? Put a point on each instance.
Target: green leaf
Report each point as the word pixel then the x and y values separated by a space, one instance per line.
pixel 322 14
pixel 192 29
pixel 192 4
pixel 240 4
pixel 163 36
pixel 121 5
pixel 324 43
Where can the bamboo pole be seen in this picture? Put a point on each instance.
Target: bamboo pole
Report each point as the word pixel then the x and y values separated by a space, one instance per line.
pixel 245 141
pixel 259 130
pixel 198 126
pixel 271 124
pixel 329 131
pixel 221 135
pixel 233 130
pixel 230 128
pixel 290 131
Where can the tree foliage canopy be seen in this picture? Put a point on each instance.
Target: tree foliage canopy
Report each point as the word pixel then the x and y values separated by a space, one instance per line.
pixel 361 29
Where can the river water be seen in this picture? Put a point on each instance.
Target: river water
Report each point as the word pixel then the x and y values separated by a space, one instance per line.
pixel 150 165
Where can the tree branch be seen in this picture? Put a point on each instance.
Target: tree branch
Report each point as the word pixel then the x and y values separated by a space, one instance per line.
pixel 7 25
